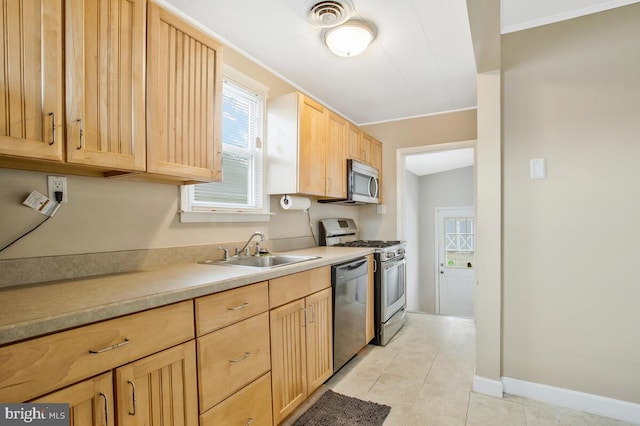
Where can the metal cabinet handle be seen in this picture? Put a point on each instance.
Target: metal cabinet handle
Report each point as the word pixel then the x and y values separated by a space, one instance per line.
pixel 79 120
pixel 133 395
pixel 375 266
pixel 117 345
pixel 251 420
pixel 106 408
pixel 244 305
pixel 242 358
pixel 313 313
pixel 53 128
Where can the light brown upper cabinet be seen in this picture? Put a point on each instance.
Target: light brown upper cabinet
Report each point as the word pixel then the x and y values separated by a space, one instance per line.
pixel 365 148
pixel 105 72
pixel 336 156
pixel 184 99
pixel 307 148
pixel 312 147
pixel 31 79
pixel 354 137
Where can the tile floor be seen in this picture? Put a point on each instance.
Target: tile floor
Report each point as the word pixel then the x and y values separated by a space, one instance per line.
pixel 425 374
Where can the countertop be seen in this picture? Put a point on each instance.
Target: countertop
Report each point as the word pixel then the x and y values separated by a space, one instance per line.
pixel 34 310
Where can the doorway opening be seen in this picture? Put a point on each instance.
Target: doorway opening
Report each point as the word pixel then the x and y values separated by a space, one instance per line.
pixel 431 178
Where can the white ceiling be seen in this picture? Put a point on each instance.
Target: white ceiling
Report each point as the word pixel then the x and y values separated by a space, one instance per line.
pixel 441 161
pixel 420 63
pixel 518 15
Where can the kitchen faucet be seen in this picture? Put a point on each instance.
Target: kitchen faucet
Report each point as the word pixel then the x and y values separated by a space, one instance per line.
pixel 246 247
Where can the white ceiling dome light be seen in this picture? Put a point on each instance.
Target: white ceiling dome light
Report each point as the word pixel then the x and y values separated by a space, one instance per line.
pixel 349 39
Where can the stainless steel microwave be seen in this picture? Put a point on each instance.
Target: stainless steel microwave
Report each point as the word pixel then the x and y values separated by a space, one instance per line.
pixel 363 185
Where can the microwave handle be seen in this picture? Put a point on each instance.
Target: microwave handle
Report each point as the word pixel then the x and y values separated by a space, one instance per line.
pixel 373 195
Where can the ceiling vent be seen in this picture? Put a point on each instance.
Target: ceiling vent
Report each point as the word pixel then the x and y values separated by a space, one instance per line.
pixel 329 13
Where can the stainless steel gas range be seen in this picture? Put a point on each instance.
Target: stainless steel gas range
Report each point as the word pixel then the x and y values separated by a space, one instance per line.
pixel 389 272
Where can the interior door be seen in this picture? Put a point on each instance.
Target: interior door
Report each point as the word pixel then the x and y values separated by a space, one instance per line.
pixel 456 261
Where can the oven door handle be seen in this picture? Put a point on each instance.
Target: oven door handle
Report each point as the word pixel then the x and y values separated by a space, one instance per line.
pixel 392 263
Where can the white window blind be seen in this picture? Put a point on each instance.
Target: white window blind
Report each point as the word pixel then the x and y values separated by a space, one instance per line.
pixel 241 188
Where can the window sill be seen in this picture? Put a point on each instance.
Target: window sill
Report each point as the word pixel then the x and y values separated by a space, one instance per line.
pixel 220 216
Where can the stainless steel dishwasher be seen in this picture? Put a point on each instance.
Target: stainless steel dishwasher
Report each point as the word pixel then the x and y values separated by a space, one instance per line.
pixel 349 281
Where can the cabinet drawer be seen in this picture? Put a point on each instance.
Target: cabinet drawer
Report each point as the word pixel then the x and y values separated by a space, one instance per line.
pixel 295 286
pixel 251 405
pixel 35 367
pixel 230 358
pixel 226 308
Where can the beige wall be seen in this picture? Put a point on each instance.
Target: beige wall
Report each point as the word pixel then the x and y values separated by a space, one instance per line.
pixel 415 132
pixel 571 95
pixel 488 308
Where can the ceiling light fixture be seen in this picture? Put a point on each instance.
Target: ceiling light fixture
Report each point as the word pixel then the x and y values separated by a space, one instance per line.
pixel 349 39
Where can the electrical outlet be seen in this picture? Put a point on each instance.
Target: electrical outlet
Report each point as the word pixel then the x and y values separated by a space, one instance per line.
pixel 58 183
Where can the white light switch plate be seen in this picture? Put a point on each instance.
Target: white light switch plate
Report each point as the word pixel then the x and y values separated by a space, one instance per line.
pixel 538 169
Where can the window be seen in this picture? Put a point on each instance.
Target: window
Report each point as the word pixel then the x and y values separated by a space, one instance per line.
pixel 241 191
pixel 460 242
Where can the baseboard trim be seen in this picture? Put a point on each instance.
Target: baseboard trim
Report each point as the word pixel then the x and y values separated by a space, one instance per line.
pixel 487 386
pixel 609 407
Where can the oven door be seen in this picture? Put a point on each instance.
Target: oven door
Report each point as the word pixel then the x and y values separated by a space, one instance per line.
pixel 392 287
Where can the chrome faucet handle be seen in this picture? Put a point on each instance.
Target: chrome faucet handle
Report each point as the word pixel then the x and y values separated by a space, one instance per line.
pixel 226 252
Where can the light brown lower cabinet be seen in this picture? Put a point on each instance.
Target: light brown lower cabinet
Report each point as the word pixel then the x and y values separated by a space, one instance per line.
pixel 90 401
pixel 301 350
pixel 249 406
pixel 369 324
pixel 159 389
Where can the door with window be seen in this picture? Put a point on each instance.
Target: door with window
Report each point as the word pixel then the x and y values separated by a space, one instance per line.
pixel 456 261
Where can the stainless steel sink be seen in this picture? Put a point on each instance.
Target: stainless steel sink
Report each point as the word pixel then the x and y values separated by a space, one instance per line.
pixel 268 261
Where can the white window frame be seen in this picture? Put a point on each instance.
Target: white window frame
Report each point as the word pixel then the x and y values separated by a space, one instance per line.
pixel 189 211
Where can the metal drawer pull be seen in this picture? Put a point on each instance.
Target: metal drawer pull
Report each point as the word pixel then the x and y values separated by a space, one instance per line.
pixel 117 345
pixel 106 408
pixel 53 128
pixel 244 305
pixel 242 358
pixel 133 388
pixel 251 420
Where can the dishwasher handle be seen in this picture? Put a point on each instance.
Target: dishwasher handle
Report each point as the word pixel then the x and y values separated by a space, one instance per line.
pixel 352 266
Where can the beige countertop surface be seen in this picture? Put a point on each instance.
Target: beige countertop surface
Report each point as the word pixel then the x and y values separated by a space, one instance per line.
pixel 37 309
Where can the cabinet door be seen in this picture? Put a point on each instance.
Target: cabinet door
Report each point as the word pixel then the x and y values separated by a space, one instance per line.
pixel 319 336
pixel 369 325
pixel 90 401
pixel 336 163
pixel 31 79
pixel 184 89
pixel 288 359
pixel 354 137
pixel 365 148
pixel 105 83
pixel 159 389
pixel 312 147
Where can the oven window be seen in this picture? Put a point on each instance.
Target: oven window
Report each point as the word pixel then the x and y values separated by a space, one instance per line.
pixel 395 284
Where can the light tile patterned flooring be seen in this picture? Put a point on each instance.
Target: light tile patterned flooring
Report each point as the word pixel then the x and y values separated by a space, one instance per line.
pixel 425 374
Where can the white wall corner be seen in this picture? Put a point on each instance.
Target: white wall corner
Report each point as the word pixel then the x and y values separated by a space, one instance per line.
pixel 487 386
pixel 594 404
